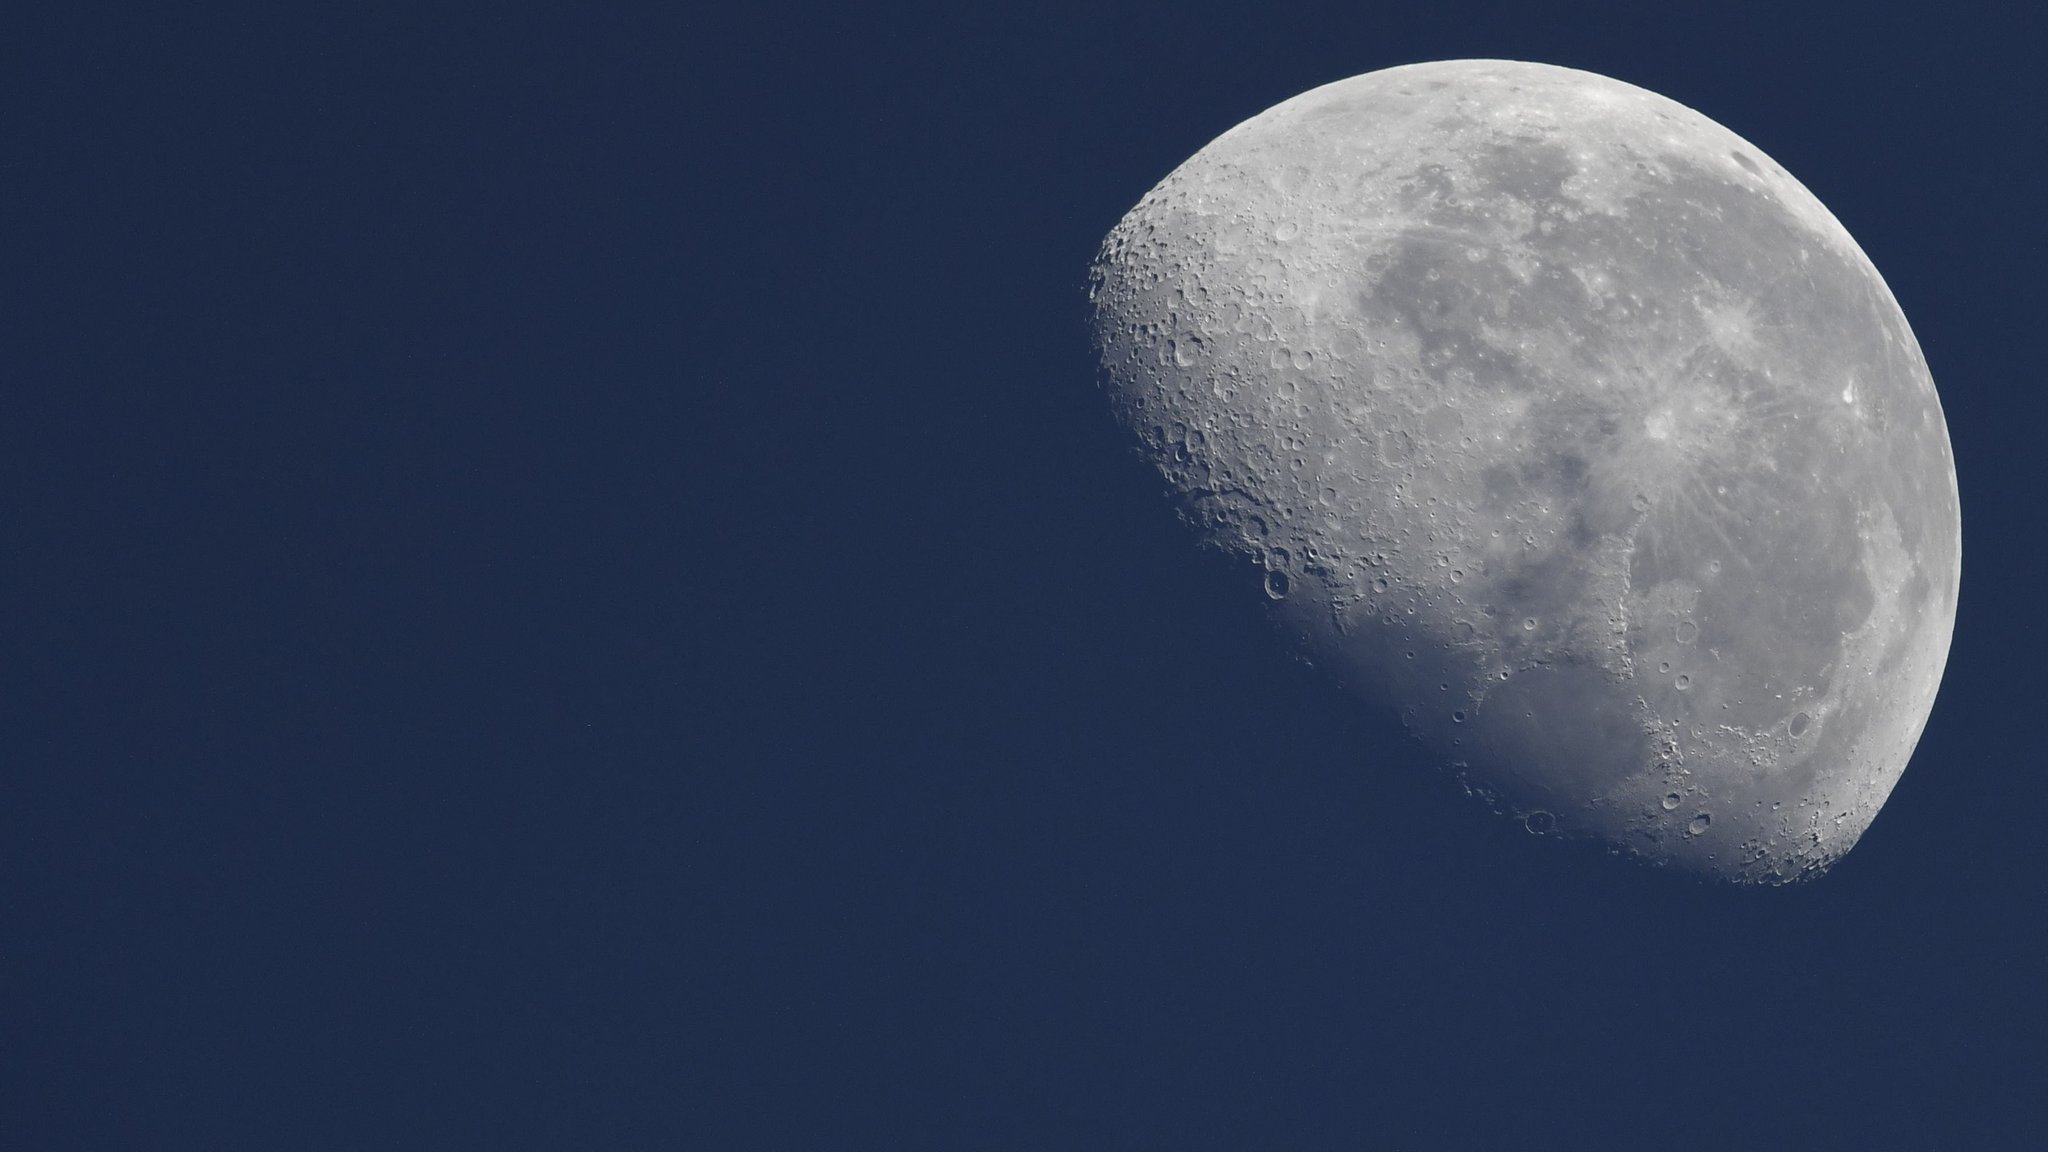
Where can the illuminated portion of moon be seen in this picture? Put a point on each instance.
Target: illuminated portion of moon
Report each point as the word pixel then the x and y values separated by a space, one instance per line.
pixel 1565 422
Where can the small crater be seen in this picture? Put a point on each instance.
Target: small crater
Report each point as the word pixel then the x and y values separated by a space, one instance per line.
pixel 1799 724
pixel 1289 229
pixel 1539 822
pixel 1458 717
pixel 1688 631
pixel 1683 682
pixel 1698 824
pixel 1529 624
pixel 1670 801
pixel 1748 165
pixel 1379 584
pixel 1665 666
pixel 1276 585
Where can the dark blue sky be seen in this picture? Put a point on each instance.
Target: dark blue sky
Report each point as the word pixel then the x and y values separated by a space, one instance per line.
pixel 568 586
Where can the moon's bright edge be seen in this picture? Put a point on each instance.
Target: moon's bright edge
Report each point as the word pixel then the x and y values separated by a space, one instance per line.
pixel 1562 420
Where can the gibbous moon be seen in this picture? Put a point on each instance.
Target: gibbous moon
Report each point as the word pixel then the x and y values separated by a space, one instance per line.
pixel 1564 422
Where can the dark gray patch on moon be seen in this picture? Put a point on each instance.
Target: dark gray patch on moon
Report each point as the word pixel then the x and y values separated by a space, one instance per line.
pixel 1532 383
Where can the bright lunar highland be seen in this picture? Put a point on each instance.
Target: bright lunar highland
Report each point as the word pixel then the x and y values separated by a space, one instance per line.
pixel 1562 421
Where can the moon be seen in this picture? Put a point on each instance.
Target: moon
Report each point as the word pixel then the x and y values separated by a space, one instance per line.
pixel 1562 421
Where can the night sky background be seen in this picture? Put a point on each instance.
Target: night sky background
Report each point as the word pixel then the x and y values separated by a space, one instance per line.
pixel 565 582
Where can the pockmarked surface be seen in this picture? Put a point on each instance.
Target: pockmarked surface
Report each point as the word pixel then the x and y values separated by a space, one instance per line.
pixel 1566 422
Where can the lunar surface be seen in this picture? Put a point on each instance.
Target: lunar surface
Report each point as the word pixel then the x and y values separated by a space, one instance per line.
pixel 1562 421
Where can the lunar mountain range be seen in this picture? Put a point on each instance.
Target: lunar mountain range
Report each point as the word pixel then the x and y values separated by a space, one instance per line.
pixel 1560 420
